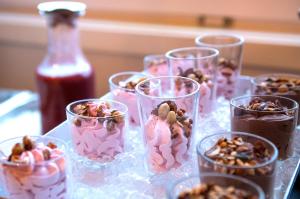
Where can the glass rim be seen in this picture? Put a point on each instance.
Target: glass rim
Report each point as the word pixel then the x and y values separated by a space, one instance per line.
pixel 57 140
pixel 295 104
pixel 110 80
pixel 99 100
pixel 141 93
pixel 170 188
pixel 154 55
pixel 255 79
pixel 51 6
pixel 186 49
pixel 240 39
pixel 273 158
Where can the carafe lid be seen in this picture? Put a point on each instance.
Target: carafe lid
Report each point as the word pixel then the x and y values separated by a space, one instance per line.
pixel 62 12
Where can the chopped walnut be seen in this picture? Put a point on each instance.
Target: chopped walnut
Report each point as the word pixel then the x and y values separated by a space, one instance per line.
pixel 280 85
pixel 214 191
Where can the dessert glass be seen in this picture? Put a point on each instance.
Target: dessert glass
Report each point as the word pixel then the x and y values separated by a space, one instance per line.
pixel 35 177
pixel 223 180
pixel 199 64
pixel 285 85
pixel 98 138
pixel 167 120
pixel 278 126
pixel 156 65
pixel 121 92
pixel 262 173
pixel 230 59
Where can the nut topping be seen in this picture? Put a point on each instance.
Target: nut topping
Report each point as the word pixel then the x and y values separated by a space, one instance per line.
pixel 214 191
pixel 131 84
pixel 259 104
pixel 168 111
pixel 163 110
pixel 237 152
pixel 280 85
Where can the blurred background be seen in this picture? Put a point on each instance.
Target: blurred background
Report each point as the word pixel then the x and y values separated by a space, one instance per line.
pixel 116 35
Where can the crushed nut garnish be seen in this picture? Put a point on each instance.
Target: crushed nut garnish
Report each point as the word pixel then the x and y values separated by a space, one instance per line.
pixel 237 152
pixel 278 85
pixel 168 111
pixel 92 109
pixel 131 84
pixel 213 191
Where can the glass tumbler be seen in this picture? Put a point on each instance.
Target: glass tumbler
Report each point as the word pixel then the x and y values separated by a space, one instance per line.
pixel 230 59
pixel 285 85
pixel 199 64
pixel 156 65
pixel 122 89
pixel 167 119
pixel 225 181
pixel 277 125
pixel 32 176
pixel 99 134
pixel 262 173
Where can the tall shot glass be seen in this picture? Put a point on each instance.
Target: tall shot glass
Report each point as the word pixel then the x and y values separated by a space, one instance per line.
pixel 229 63
pixel 167 120
pixel 199 64
pixel 41 172
pixel 122 89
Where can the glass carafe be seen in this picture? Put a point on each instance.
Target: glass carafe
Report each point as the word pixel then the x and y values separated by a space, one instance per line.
pixel 64 75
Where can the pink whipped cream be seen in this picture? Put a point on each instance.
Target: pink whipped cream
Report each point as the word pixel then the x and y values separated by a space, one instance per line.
pixel 206 99
pixel 167 136
pixel 158 67
pixel 126 94
pixel 227 78
pixel 100 134
pixel 36 172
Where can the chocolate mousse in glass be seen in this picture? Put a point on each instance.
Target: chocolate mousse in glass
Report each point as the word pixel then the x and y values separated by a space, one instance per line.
pixel 214 186
pixel 122 89
pixel 243 154
pixel 156 65
pixel 97 128
pixel 230 48
pixel 34 167
pixel 199 64
pixel 167 121
pixel 285 85
pixel 271 117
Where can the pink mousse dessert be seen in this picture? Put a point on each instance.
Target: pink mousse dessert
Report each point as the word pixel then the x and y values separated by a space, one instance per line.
pixel 97 128
pixel 35 170
pixel 228 73
pixel 205 89
pixel 124 91
pixel 156 65
pixel 167 136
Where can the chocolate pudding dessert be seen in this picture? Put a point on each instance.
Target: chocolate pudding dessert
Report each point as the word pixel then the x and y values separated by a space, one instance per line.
pixel 271 117
pixel 214 191
pixel 242 154
pixel 278 84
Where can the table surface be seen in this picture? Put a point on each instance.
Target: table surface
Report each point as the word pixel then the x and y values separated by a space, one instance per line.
pixel 27 111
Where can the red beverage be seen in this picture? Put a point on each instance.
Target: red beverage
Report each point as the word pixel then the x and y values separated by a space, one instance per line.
pixel 64 75
pixel 57 92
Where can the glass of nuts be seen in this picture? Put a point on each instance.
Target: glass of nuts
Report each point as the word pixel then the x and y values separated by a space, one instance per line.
pixel 214 185
pixel 242 154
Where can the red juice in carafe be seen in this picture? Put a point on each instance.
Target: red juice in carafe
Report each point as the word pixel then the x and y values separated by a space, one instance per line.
pixel 57 90
pixel 64 75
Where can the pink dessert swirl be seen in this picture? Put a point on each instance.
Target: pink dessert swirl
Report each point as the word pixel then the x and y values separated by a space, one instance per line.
pixel 35 171
pixel 167 135
pixel 100 134
pixel 206 90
